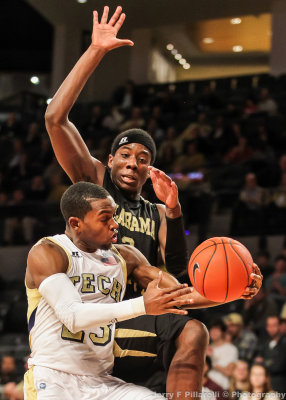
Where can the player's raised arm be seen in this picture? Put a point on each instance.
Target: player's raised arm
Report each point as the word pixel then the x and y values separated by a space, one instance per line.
pixel 70 149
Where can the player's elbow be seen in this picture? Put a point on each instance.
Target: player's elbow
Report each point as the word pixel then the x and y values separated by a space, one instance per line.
pixel 53 117
pixel 67 315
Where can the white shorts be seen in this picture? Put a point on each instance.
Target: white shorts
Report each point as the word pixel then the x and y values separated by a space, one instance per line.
pixel 41 383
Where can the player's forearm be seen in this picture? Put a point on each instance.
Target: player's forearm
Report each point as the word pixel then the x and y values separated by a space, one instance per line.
pixel 176 251
pixel 146 274
pixel 60 294
pixel 62 102
pixel 200 301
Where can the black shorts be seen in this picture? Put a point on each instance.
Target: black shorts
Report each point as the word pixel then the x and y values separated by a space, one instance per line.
pixel 144 347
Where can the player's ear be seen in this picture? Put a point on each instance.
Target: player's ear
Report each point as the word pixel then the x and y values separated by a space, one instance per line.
pixel 74 223
pixel 110 160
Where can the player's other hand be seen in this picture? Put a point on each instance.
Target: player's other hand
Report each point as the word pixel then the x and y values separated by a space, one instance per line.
pixel 255 285
pixel 162 301
pixel 104 32
pixel 166 190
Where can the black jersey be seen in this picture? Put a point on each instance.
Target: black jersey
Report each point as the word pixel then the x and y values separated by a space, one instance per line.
pixel 144 347
pixel 139 223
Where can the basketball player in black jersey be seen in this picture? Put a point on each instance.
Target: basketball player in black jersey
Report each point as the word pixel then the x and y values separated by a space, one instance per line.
pixel 144 225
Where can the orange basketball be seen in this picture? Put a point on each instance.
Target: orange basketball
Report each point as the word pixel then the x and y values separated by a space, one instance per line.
pixel 220 269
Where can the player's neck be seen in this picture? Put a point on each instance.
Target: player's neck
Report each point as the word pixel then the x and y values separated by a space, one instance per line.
pixel 133 196
pixel 81 245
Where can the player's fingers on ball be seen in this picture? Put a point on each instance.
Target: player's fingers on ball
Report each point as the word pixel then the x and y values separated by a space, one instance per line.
pixel 115 16
pixel 257 270
pixel 178 293
pixel 174 288
pixel 179 303
pixel 104 15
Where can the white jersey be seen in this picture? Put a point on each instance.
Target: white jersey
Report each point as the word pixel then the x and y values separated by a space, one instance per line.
pixel 98 277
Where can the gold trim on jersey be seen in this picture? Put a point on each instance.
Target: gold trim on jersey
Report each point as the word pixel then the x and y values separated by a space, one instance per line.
pixel 118 352
pixel 29 385
pixel 127 333
pixel 65 250
pixel 34 297
pixel 122 263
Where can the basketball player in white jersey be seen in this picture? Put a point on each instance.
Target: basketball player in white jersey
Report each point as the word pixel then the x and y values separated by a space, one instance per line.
pixel 75 283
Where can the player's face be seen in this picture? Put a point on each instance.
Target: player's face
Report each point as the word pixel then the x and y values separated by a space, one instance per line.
pixel 129 167
pixel 98 230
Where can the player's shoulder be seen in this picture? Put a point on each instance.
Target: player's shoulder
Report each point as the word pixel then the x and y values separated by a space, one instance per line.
pixel 125 249
pixel 45 250
pixel 131 255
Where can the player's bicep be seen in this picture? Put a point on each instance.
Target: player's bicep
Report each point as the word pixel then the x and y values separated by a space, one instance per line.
pixel 73 154
pixel 45 259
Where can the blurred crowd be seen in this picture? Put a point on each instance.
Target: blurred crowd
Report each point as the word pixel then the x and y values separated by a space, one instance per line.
pixel 226 149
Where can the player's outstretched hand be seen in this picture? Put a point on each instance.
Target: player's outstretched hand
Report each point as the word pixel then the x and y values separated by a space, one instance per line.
pixel 255 285
pixel 166 190
pixel 104 32
pixel 162 301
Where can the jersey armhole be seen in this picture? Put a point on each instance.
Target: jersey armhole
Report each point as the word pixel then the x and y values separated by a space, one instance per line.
pixel 65 250
pixel 122 263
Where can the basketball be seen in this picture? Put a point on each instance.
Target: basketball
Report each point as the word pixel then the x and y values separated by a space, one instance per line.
pixel 220 268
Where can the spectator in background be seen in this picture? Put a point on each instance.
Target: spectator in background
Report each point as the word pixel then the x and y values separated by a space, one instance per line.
pixel 219 139
pixel 249 108
pixel 259 385
pixel 127 96
pixel 32 139
pixel 11 128
pixel 19 220
pixel 37 190
pixel 52 169
pixel 283 321
pixel 169 140
pixel 13 391
pixel 276 283
pixel 113 119
pixel 272 353
pixel 239 380
pixel 8 372
pixel 155 131
pixel 244 340
pixel 166 158
pixel 256 311
pixel 240 153
pixel 191 159
pixel 17 163
pixel 263 261
pixel 57 188
pixel 277 208
pixel 204 129
pixel 135 120
pixel 267 103
pixel 247 216
pixel 210 384
pixel 94 124
pixel 43 156
pixel 223 355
